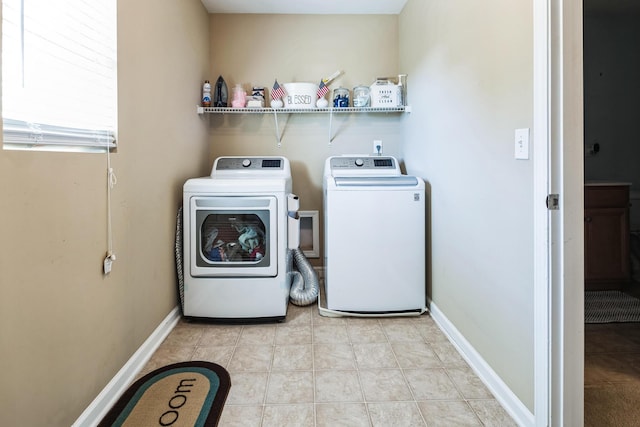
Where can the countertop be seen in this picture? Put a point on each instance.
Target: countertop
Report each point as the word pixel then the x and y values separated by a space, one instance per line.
pixel 605 183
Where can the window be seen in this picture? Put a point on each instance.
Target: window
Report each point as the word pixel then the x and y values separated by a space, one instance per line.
pixel 59 74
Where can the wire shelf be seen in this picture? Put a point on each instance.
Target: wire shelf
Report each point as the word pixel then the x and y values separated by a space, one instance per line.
pixel 276 111
pixel 231 110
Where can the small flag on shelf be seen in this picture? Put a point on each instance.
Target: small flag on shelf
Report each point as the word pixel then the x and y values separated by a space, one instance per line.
pixel 323 89
pixel 277 92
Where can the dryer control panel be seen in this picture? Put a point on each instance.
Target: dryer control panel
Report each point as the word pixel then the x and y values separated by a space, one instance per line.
pixel 251 166
pixel 253 163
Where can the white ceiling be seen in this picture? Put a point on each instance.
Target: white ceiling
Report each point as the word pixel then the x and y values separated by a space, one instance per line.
pixel 320 7
pixel 363 7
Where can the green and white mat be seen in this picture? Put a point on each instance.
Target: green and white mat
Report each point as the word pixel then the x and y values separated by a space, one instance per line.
pixel 185 394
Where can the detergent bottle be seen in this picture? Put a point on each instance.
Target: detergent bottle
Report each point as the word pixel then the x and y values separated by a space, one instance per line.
pixel 206 94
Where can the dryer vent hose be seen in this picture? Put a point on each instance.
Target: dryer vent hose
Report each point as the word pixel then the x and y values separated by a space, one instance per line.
pixel 304 280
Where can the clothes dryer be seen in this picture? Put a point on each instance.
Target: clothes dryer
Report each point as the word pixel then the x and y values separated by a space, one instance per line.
pixel 235 240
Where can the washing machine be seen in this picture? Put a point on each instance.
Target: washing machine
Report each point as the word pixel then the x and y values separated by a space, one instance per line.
pixel 235 240
pixel 374 238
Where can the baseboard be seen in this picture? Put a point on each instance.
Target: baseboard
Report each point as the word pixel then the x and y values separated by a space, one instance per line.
pixel 119 384
pixel 518 411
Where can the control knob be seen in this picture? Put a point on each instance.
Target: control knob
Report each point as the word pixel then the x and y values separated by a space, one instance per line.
pixel 359 162
pixel 246 163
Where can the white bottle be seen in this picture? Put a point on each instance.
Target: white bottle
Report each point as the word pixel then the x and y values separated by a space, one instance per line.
pixel 206 94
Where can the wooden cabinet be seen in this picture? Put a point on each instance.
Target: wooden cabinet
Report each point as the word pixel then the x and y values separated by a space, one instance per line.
pixel 606 236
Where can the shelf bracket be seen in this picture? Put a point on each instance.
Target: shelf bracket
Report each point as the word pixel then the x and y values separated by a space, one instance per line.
pixel 278 135
pixel 330 126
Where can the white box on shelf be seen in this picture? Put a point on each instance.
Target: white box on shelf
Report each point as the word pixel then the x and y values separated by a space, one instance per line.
pixel 385 94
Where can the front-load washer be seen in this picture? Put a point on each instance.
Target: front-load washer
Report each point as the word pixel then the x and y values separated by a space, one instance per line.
pixel 374 238
pixel 235 240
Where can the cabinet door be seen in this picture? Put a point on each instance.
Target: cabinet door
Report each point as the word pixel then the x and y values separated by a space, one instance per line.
pixel 606 247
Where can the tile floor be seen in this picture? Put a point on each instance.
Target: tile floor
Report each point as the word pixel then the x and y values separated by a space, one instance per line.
pixel 317 371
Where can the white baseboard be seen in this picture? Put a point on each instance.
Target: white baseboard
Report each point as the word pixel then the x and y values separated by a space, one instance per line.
pixel 125 376
pixel 518 411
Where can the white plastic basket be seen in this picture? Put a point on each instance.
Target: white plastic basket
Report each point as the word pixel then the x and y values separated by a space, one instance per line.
pixel 300 95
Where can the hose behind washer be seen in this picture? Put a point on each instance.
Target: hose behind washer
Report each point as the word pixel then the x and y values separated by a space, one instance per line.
pixel 178 253
pixel 304 280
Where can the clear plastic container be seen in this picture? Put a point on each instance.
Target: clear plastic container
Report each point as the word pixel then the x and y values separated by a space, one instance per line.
pixel 341 97
pixel 402 86
pixel 361 96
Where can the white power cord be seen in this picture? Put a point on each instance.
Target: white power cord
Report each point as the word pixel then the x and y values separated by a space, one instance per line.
pixel 111 182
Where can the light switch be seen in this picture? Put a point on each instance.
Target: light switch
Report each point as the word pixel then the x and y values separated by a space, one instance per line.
pixel 522 144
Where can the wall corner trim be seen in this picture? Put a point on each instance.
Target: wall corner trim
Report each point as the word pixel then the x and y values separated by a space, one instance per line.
pixel 121 381
pixel 516 409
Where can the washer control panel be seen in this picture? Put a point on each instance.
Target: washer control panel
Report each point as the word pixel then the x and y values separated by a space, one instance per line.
pixel 371 163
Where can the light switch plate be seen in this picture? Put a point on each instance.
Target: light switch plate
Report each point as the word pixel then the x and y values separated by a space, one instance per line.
pixel 522 144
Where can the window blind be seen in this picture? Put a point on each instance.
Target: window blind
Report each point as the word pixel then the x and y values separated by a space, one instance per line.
pixel 59 74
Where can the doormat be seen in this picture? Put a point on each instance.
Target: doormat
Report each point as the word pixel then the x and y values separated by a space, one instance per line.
pixel 610 307
pixel 187 393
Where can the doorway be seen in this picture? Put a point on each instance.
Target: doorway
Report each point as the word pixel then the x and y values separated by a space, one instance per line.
pixel 611 91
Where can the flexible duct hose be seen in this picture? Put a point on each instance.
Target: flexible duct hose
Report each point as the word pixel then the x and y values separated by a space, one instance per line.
pixel 304 282
pixel 179 252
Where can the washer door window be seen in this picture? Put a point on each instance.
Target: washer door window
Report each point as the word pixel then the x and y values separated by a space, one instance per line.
pixel 235 236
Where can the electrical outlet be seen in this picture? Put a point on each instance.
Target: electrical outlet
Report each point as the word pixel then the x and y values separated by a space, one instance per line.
pixel 377 147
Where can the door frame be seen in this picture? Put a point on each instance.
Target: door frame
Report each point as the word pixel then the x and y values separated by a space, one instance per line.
pixel 541 254
pixel 558 131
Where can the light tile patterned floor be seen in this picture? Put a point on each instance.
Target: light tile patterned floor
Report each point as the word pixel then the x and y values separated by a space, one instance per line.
pixel 317 371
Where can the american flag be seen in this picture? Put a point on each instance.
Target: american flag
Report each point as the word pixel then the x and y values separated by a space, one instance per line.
pixel 277 92
pixel 323 89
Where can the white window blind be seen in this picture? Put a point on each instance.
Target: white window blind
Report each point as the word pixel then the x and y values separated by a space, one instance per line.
pixel 59 74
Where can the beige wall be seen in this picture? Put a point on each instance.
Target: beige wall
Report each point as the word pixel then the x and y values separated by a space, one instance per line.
pixel 471 65
pixel 65 329
pixel 470 85
pixel 253 50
